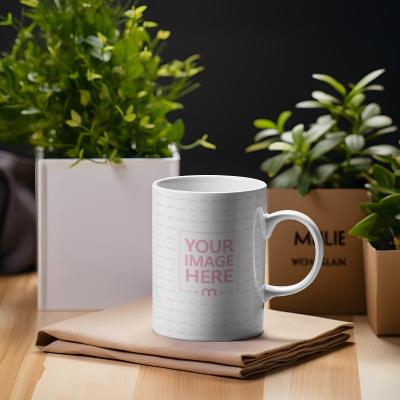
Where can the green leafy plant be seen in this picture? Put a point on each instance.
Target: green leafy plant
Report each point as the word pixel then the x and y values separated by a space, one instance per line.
pixel 382 224
pixel 337 149
pixel 85 79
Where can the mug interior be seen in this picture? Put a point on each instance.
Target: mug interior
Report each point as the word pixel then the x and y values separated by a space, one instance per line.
pixel 211 184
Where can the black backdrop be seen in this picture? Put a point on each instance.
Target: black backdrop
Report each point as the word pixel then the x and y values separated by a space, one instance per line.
pixel 259 57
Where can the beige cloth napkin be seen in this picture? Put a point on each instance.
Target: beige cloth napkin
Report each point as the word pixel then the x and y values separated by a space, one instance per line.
pixel 125 333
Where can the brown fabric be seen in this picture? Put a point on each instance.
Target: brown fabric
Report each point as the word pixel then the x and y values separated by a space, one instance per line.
pixel 17 213
pixel 125 333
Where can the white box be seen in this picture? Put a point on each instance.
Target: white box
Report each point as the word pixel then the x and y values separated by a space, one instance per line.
pixel 94 230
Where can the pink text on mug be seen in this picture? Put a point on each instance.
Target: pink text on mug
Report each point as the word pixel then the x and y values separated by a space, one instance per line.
pixel 208 262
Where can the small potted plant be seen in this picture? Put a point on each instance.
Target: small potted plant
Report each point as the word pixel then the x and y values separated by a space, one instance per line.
pixel 380 230
pixel 319 169
pixel 86 85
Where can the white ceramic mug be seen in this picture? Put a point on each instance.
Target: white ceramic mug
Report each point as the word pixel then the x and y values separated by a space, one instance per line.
pixel 209 257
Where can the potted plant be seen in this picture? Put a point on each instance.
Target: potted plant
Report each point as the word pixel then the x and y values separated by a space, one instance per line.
pixel 319 170
pixel 86 85
pixel 380 230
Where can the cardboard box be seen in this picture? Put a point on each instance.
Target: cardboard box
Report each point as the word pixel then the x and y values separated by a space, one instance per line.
pixel 339 287
pixel 382 282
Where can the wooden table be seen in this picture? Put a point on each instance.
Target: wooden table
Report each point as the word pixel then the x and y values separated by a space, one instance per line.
pixel 368 370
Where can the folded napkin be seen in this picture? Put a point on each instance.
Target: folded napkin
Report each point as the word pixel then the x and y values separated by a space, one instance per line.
pixel 125 333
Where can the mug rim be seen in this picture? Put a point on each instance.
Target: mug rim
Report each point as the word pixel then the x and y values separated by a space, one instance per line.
pixel 253 184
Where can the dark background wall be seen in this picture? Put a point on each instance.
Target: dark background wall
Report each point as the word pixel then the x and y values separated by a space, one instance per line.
pixel 259 57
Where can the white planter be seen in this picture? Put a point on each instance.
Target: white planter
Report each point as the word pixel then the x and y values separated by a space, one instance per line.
pixel 94 231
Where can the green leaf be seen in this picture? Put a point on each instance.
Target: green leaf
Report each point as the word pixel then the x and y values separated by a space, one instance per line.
pixel 391 202
pixel 84 97
pixel 91 75
pixel 130 109
pixel 368 207
pixel 358 163
pixel 103 39
pixel 74 75
pixel 264 124
pixel 336 135
pixel 71 123
pixel 129 117
pixel 288 178
pixel 323 173
pixel 282 119
pixel 325 119
pixel 119 109
pixel 30 111
pixel 351 114
pixel 258 146
pixel 274 164
pixel 375 188
pixel 265 133
pixel 382 150
pixel 297 135
pixel 358 99
pixel 104 92
pixel 367 79
pixel 299 128
pixel 163 35
pixel 30 3
pixel 145 123
pixel 374 88
pixel 143 93
pixel 304 184
pixel 323 147
pixel 287 137
pixel 379 121
pixel 135 12
pixel 323 97
pixel 383 176
pixel 76 117
pixel 309 104
pixel 355 142
pixel 206 144
pixel 94 41
pixel 150 24
pixel 365 226
pixel 203 141
pixel 176 132
pixel 317 131
pixel 7 21
pixel 370 110
pixel 281 146
pixel 387 207
pixel 332 82
pixel 140 10
pixel 384 131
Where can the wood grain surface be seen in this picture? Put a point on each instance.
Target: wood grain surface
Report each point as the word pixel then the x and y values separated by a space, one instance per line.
pixel 370 369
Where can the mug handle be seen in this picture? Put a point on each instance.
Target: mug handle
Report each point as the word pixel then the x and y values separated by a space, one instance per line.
pixel 268 224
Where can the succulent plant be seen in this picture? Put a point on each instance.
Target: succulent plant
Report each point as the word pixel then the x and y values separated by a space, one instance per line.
pixel 335 150
pixel 382 224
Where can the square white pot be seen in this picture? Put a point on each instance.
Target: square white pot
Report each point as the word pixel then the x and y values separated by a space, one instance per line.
pixel 94 231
